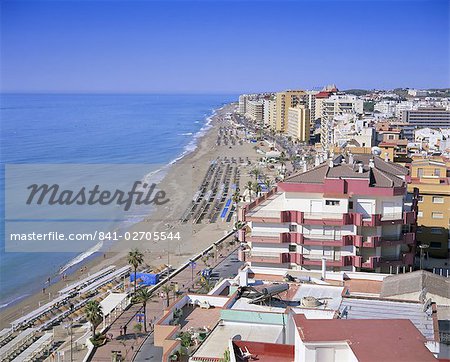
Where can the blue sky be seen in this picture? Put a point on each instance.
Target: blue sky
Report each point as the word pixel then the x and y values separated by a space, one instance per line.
pixel 229 46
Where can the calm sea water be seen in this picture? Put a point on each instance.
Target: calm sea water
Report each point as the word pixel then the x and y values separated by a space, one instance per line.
pixel 84 128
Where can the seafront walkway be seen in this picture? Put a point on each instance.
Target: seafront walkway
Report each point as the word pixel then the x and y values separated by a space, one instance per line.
pixel 129 344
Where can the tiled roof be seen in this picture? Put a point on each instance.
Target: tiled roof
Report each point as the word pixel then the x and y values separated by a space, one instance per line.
pixel 415 282
pixel 383 174
pixel 369 339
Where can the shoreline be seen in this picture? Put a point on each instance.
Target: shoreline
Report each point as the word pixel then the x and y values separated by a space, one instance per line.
pixel 195 237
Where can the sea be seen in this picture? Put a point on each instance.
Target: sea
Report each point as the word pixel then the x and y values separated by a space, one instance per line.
pixel 90 129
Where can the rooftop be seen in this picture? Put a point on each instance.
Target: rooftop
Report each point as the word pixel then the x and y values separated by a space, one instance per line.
pixel 382 174
pixel 370 340
pixel 416 281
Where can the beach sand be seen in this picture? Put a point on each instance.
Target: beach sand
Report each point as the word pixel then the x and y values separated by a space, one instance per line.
pixel 180 184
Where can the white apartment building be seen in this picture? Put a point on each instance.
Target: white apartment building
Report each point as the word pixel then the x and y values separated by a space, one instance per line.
pixel 334 106
pixel 348 213
pixel 270 112
pixel 387 108
pixel 350 130
pixel 254 110
pixel 298 123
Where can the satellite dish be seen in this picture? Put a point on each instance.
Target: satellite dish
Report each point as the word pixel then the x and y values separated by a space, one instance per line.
pixel 376 150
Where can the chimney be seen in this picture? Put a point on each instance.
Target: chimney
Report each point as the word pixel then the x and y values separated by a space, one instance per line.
pixel 386 157
pixel 350 158
pixel 317 161
pixel 305 168
pixel 324 268
pixel 371 163
pixel 360 168
pixel 330 162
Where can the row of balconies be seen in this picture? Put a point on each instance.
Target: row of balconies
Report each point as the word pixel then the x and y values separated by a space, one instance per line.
pixel 357 261
pixel 346 240
pixel 351 218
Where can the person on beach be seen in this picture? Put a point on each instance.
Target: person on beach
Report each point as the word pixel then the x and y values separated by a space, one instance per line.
pixel 124 329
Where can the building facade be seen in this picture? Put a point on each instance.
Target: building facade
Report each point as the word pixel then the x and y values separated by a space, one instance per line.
pixel 433 117
pixel 430 177
pixel 347 213
pixel 284 101
pixel 299 123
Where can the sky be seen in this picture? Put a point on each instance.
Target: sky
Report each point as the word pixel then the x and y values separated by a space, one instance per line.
pixel 222 46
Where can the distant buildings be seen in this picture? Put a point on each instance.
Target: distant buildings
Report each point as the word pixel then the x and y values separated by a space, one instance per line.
pixel 344 214
pixel 335 105
pixel 298 123
pixel 437 117
pixel 254 110
pixel 284 101
pixel 431 177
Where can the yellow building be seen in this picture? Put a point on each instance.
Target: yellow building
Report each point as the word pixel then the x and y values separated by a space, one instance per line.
pixel 285 100
pixel 298 123
pixel 430 176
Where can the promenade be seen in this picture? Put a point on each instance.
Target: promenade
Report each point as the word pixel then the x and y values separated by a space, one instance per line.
pixel 129 345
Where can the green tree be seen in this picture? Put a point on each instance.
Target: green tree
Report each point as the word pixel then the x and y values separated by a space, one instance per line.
pixel 256 172
pixel 257 188
pixel 135 258
pixel 166 289
pixel 94 314
pixel 249 188
pixel 143 296
pixel 268 183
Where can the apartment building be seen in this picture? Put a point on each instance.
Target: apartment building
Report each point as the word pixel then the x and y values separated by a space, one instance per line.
pixel 349 130
pixel 299 123
pixel 387 108
pixel 431 177
pixel 348 213
pixel 270 112
pixel 284 101
pixel 254 110
pixel 434 117
pixel 334 106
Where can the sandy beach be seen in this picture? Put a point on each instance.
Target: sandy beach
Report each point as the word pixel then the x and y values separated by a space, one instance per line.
pixel 180 184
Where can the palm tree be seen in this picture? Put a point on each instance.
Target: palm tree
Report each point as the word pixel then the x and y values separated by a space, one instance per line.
pixel 143 296
pixel 268 183
pixel 94 314
pixel 166 289
pixel 206 285
pixel 257 188
pixel 256 172
pixel 135 258
pixel 249 187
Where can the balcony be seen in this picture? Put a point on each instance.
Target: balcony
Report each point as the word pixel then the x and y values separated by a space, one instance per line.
pixel 409 217
pixel 367 241
pixel 402 260
pixel 331 262
pixel 322 218
pixel 371 262
pixel 264 216
pixel 292 216
pixel 326 241
pixel 272 259
pixel 404 239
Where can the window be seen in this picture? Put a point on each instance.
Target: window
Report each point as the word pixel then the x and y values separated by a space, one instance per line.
pixel 350 205
pixel 419 172
pixel 419 230
pixel 437 172
pixel 420 214
pixel 437 215
pixel 420 198
pixel 435 244
pixel 436 231
pixel 332 202
pixel 293 228
pixel 293 248
pixel 438 200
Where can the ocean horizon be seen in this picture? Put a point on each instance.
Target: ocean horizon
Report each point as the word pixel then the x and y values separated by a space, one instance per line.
pixel 90 128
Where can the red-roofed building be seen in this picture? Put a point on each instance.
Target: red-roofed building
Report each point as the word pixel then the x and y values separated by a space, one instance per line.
pixel 363 340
